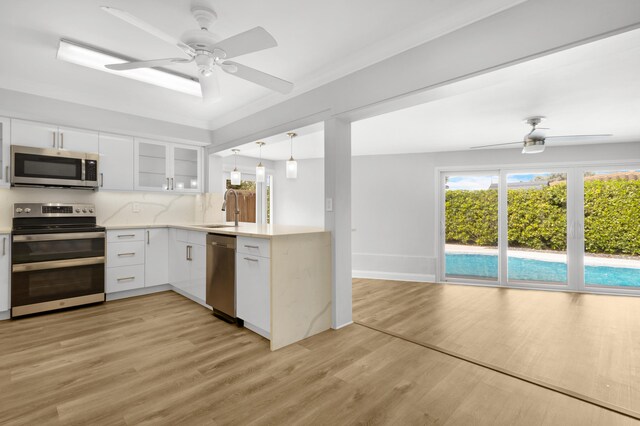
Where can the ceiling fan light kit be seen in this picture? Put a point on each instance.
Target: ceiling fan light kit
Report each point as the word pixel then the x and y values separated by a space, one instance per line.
pixel 533 146
pixel 208 53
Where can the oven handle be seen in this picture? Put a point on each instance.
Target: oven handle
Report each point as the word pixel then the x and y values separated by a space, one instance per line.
pixel 58 237
pixel 57 264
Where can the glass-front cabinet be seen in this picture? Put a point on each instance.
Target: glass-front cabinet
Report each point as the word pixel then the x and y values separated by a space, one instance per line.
pixel 5 161
pixel 171 167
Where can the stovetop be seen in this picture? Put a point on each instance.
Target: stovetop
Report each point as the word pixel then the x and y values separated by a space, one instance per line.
pixel 52 218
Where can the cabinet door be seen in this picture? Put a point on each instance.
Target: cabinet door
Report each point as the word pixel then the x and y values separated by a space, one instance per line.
pixel 185 171
pixel 157 256
pixel 30 133
pixel 151 165
pixel 5 245
pixel 116 162
pixel 179 266
pixel 198 282
pixel 79 140
pixel 252 290
pixel 5 160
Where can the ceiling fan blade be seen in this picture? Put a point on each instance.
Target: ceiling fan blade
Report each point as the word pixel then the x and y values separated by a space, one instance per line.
pixel 579 136
pixel 147 64
pixel 247 42
pixel 258 77
pixel 137 22
pixel 210 88
pixel 496 144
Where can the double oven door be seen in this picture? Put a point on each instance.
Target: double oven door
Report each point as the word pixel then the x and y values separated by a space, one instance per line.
pixel 56 270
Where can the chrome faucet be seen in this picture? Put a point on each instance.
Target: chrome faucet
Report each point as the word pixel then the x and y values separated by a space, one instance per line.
pixel 224 203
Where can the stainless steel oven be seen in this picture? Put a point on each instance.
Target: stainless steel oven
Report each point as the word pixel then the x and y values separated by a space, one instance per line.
pixel 57 257
pixel 53 167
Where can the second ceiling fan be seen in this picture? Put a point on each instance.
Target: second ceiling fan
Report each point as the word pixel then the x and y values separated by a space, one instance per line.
pixel 202 48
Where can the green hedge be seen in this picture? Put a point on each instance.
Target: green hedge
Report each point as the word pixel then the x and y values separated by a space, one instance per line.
pixel 537 217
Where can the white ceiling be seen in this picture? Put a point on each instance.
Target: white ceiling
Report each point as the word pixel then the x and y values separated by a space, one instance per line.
pixel 590 89
pixel 318 41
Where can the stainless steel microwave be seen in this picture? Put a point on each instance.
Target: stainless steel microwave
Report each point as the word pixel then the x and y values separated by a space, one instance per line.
pixel 46 167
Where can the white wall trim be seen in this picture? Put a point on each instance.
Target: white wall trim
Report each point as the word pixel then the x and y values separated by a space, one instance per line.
pixel 338 327
pixel 137 292
pixel 394 276
pixel 5 315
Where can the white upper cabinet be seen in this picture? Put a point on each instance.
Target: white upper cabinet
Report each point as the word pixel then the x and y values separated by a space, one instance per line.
pixel 42 135
pixel 116 162
pixel 169 167
pixel 78 140
pixel 5 159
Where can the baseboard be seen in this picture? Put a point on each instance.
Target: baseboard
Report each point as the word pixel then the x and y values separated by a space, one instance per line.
pixel 138 292
pixel 394 276
pixel 5 315
pixel 190 297
pixel 257 330
pixel 342 325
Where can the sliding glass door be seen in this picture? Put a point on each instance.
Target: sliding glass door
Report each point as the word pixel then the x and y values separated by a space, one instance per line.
pixel 471 226
pixel 537 227
pixel 612 228
pixel 573 228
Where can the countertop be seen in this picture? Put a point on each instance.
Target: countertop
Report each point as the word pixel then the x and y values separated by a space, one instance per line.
pixel 244 229
pixel 5 230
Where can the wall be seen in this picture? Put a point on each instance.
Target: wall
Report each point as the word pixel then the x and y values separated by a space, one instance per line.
pixel 115 208
pixel 393 202
pixel 299 201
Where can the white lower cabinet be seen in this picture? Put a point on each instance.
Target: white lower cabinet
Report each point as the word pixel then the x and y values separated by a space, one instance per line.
pixel 125 260
pixel 253 282
pixel 5 268
pixel 122 278
pixel 188 262
pixel 156 257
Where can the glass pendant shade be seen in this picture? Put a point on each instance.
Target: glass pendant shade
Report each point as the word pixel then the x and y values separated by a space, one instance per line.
pixel 292 169
pixel 236 177
pixel 260 173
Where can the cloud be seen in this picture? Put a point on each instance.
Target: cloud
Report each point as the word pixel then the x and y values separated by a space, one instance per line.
pixel 471 183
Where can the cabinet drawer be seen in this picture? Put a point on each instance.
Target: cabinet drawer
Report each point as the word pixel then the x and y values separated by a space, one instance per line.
pixel 198 238
pixel 118 235
pixel 125 254
pixel 124 278
pixel 253 246
pixel 182 235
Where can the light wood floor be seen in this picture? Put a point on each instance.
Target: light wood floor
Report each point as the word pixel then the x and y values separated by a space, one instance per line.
pixel 588 344
pixel 162 359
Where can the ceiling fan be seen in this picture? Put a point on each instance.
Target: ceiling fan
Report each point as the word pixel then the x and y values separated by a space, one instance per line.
pixel 534 141
pixel 203 48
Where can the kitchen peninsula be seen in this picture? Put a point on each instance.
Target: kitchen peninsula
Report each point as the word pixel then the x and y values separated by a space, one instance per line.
pixel 283 273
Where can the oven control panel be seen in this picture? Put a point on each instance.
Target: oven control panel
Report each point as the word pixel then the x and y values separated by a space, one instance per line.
pixel 53 210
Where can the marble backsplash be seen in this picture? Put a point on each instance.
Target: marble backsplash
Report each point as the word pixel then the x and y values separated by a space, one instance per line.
pixel 122 208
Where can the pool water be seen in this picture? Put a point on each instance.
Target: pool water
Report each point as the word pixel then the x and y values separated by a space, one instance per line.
pixel 486 266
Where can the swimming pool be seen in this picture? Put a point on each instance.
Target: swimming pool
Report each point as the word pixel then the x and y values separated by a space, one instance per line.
pixel 486 266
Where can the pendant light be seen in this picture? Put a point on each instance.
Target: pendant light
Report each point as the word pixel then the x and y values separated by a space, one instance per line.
pixel 260 171
pixel 236 177
pixel 292 165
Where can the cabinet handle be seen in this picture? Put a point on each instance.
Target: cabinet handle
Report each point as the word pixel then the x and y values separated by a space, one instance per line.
pixel 6 174
pixel 148 238
pixel 126 235
pixel 168 186
pixel 61 140
pixel 126 254
pixel 253 247
pixel 189 253
pixel 4 246
pixel 101 180
pixel 172 187
pixel 251 260
pixel 54 139
pixel 126 279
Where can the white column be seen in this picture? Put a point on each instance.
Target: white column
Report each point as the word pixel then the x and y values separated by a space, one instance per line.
pixel 337 217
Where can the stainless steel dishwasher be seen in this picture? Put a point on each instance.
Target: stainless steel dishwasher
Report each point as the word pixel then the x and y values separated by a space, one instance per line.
pixel 221 276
